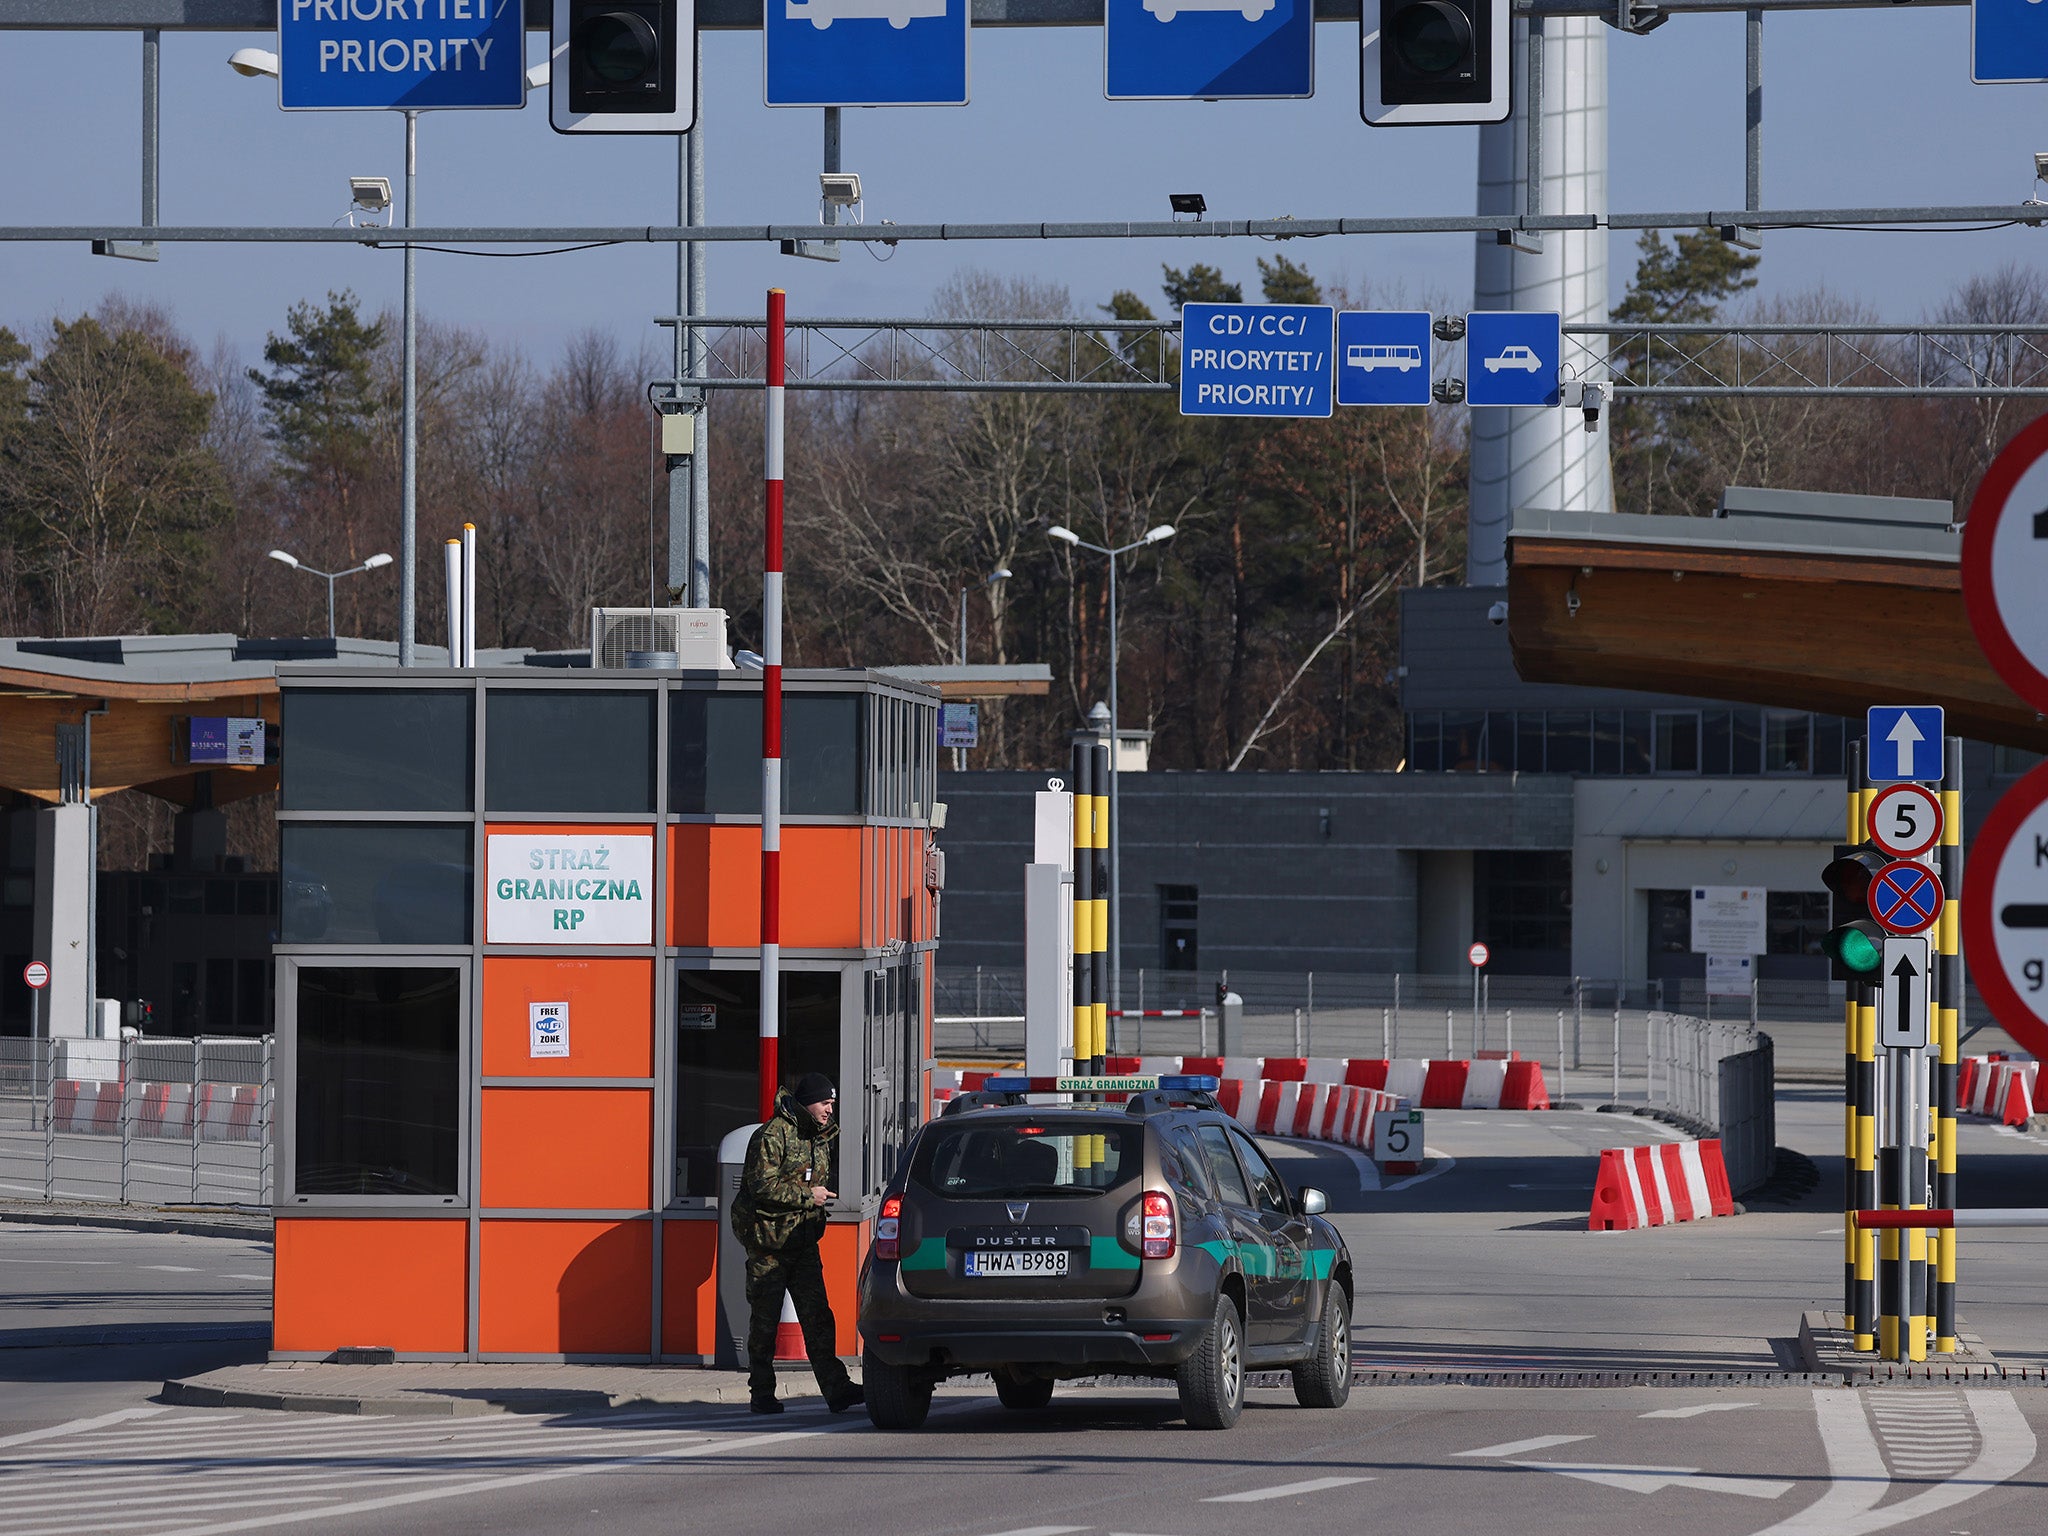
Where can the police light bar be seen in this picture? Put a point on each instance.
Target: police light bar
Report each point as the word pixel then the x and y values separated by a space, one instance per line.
pixel 1098 1084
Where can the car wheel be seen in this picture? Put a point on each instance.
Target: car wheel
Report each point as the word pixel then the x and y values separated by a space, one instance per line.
pixel 1022 1392
pixel 1323 1380
pixel 898 1397
pixel 1211 1380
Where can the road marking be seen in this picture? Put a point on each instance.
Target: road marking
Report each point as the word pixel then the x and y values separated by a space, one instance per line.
pixel 76 1426
pixel 1693 1412
pixel 1047 1530
pixel 1287 1490
pixel 170 1269
pixel 245 1277
pixel 1523 1447
pixel 1655 1479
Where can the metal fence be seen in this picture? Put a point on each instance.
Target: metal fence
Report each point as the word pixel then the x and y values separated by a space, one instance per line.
pixel 1723 1075
pixel 142 1121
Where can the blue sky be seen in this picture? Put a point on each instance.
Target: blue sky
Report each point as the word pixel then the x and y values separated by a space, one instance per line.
pixel 1862 107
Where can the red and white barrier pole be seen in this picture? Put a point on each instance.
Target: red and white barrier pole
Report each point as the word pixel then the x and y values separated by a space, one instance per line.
pixel 1911 1219
pixel 771 719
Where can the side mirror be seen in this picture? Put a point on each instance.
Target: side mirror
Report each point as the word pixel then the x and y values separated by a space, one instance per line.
pixel 1314 1202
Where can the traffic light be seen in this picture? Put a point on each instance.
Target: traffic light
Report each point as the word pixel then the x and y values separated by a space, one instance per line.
pixel 1855 942
pixel 622 66
pixel 1434 61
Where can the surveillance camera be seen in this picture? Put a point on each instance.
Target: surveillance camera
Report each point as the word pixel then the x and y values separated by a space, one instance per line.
pixel 1571 603
pixel 2040 166
pixel 1589 402
pixel 1497 614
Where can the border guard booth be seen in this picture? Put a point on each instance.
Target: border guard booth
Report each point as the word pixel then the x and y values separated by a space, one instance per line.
pixel 518 992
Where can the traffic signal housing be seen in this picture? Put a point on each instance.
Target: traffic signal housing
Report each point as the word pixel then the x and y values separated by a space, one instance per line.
pixel 1434 61
pixel 1854 943
pixel 622 66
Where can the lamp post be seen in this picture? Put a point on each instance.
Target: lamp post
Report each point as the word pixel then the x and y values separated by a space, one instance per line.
pixel 1000 573
pixel 1116 932
pixel 375 562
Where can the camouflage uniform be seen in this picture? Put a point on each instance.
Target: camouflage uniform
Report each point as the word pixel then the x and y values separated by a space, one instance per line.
pixel 779 1223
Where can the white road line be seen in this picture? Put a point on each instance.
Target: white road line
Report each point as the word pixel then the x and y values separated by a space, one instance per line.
pixel 1523 1447
pixel 1694 1411
pixel 175 1504
pixel 1287 1490
pixel 156 1523
pixel 1654 1479
pixel 79 1426
pixel 170 1269
pixel 1443 1164
pixel 245 1277
pixel 1045 1530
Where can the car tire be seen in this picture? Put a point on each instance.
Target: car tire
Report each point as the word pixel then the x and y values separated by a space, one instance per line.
pixel 1211 1380
pixel 1323 1380
pixel 898 1397
pixel 1023 1393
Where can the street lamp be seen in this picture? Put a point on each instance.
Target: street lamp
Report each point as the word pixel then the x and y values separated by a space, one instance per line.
pixel 375 562
pixel 1116 963
pixel 1000 573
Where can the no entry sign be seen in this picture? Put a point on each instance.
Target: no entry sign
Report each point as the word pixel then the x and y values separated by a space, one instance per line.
pixel 1478 954
pixel 36 974
pixel 2005 564
pixel 2005 911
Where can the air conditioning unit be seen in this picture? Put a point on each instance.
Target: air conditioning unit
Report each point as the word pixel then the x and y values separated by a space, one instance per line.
pixel 650 637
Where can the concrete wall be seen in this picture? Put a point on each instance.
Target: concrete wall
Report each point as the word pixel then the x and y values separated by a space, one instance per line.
pixel 63 921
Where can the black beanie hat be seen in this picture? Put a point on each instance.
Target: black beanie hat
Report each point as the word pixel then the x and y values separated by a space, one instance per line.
pixel 813 1088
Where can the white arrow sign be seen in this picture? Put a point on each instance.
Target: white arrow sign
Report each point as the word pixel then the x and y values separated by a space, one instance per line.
pixel 1902 994
pixel 1654 1479
pixel 1905 735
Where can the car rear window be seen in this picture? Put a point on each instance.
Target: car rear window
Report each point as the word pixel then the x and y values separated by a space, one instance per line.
pixel 993 1161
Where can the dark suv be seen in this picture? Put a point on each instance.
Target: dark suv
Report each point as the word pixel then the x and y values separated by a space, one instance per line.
pixel 1143 1238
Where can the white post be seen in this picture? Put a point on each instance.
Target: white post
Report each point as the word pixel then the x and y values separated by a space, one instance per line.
pixel 1386 1036
pixel 1617 1045
pixel 469 594
pixel 50 1119
pixel 1510 1021
pixel 1450 1047
pixel 1560 1055
pixel 451 569
pixel 125 1065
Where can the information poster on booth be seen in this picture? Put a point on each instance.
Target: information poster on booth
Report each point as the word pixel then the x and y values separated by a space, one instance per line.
pixel 1730 975
pixel 1728 920
pixel 569 888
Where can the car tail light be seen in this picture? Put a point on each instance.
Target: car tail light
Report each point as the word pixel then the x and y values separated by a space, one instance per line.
pixel 889 1228
pixel 1158 1229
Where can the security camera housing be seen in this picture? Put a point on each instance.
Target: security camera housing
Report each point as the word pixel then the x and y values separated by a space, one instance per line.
pixel 1497 614
pixel 622 66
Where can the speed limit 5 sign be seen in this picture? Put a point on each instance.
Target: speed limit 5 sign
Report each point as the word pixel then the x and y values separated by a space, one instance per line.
pixel 2005 911
pixel 1905 820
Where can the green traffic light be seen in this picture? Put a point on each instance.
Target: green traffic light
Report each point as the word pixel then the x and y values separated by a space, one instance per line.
pixel 1856 947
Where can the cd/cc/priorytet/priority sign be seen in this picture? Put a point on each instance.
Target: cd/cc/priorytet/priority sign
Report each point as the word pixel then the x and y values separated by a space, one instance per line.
pixel 1256 359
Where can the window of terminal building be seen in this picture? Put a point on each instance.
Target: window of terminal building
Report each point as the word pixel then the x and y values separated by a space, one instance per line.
pixel 377 749
pixel 1795 921
pixel 1676 740
pixel 2012 760
pixel 1788 741
pixel 718 1058
pixel 378 1081
pixel 375 883
pixel 1425 742
pixel 715 754
pixel 1179 941
pixel 564 751
pixel 1522 901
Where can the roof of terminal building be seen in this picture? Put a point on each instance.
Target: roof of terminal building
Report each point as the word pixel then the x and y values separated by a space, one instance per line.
pixel 1779 522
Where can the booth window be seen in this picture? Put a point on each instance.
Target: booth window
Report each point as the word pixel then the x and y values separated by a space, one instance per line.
pixel 379 1084
pixel 715 754
pixel 371 883
pixel 369 749
pixel 718 1060
pixel 557 751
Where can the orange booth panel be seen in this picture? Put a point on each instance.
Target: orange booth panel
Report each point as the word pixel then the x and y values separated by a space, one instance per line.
pixel 566 1288
pixel 346 1281
pixel 715 874
pixel 610 1012
pixel 581 1149
pixel 841 1249
pixel 689 1287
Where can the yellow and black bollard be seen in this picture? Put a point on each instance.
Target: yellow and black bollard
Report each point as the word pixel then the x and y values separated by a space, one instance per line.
pixel 1948 977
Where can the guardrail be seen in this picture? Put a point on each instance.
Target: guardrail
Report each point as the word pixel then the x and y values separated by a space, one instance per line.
pixel 1721 1075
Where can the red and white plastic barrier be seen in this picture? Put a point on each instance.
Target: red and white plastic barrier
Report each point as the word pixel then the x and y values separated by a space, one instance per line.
pixel 1657 1185
pixel 2004 1088
pixel 227 1112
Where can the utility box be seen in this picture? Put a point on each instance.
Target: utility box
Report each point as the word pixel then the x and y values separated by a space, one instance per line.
pixel 730 1344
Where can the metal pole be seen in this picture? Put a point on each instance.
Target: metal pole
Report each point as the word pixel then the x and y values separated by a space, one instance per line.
pixel 960 659
pixel 330 607
pixel 1948 1003
pixel 1617 1044
pixel 1753 111
pixel 1578 1020
pixel 1450 1048
pixel 195 1119
pixel 771 713
pixel 1116 886
pixel 1560 1055
pixel 49 1064
pixel 1386 1037
pixel 1510 1021
pixel 1534 197
pixel 267 1178
pixel 125 1056
pixel 408 495
pixel 700 463
pixel 152 57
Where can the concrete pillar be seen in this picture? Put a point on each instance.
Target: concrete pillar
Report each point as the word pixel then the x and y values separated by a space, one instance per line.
pixel 63 921
pixel 1534 458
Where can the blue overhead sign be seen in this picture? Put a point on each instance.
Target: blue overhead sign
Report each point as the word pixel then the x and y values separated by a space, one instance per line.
pixel 864 53
pixel 415 55
pixel 1383 357
pixel 1512 357
pixel 1902 744
pixel 2008 42
pixel 1178 50
pixel 1255 359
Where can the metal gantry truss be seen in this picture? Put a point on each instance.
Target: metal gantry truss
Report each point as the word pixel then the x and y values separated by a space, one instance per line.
pixel 1850 361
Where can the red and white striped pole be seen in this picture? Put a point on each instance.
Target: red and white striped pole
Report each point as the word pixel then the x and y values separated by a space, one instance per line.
pixel 771 720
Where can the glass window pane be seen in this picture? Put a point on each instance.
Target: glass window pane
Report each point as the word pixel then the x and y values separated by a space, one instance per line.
pixel 1571 744
pixel 1425 748
pixel 375 884
pixel 715 754
pixel 1529 741
pixel 376 749
pixel 1749 741
pixel 555 751
pixel 1607 742
pixel 1636 744
pixel 1500 742
pixel 1677 742
pixel 821 754
pixel 1717 736
pixel 1461 741
pixel 718 1059
pixel 379 1086
pixel 1827 745
pixel 1786 745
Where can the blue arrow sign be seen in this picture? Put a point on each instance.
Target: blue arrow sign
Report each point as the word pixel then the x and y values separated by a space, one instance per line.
pixel 1903 744
pixel 864 53
pixel 1255 359
pixel 406 54
pixel 1512 357
pixel 2008 42
pixel 1383 357
pixel 1208 49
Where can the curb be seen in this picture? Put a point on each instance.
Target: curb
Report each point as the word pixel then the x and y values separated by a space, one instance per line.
pixel 198 1224
pixel 1826 1346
